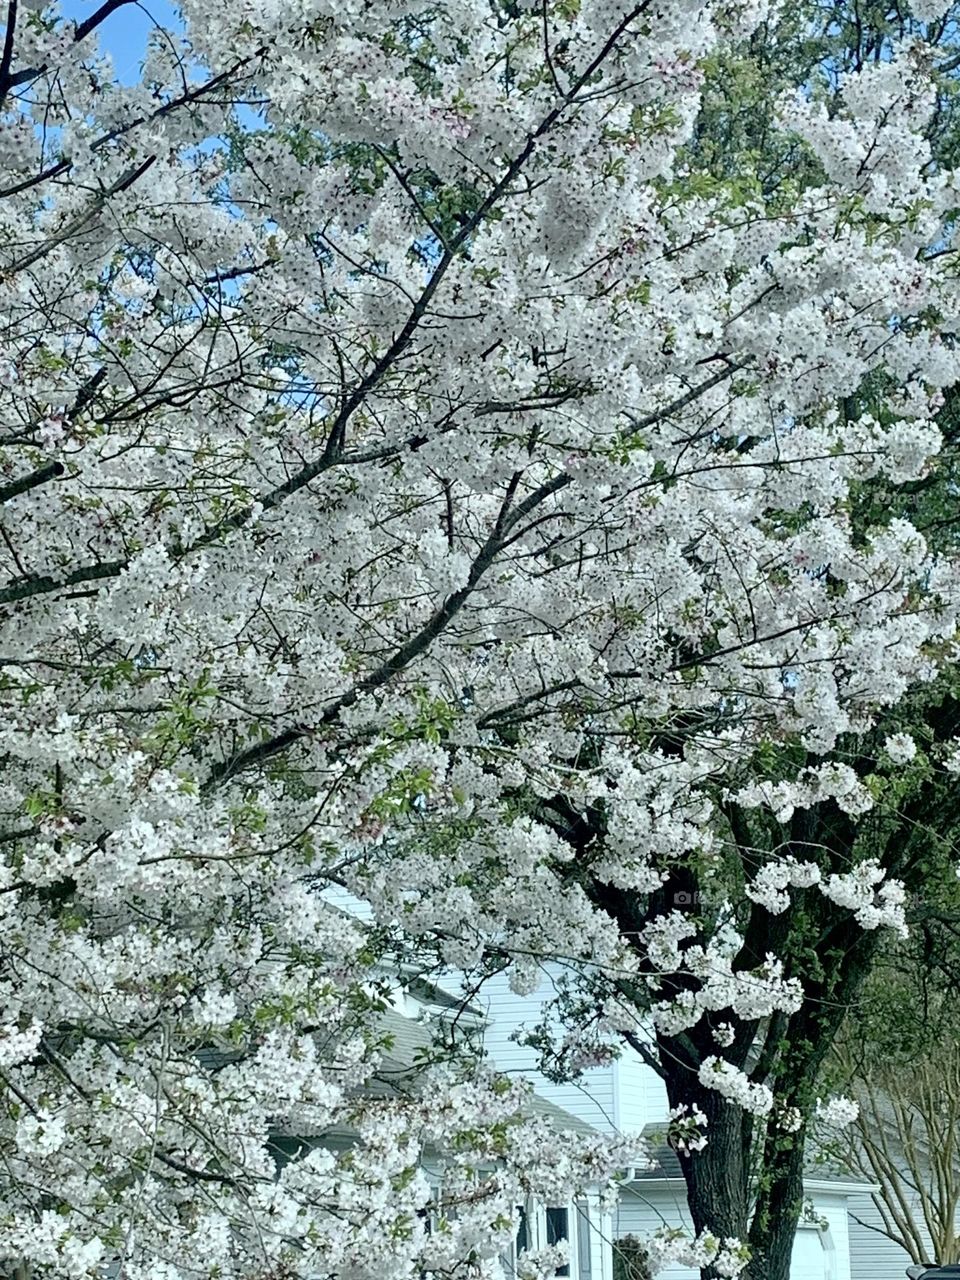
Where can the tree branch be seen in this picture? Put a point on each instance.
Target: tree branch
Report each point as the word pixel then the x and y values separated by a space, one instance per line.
pixel 83 30
pixel 7 58
pixel 31 481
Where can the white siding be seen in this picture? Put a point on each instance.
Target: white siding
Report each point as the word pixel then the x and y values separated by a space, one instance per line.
pixel 592 1098
pixel 873 1256
pixel 817 1254
pixel 642 1094
pixel 809 1256
pixel 344 901
pixel 622 1096
pixel 642 1211
pixel 834 1242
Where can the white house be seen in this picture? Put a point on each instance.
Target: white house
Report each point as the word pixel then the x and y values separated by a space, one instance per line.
pixel 627 1096
pixel 873 1255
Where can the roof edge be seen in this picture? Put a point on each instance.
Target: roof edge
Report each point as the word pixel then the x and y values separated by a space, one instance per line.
pixel 840 1184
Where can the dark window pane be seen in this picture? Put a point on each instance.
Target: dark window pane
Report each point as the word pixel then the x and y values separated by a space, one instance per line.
pixel 523 1237
pixel 557 1231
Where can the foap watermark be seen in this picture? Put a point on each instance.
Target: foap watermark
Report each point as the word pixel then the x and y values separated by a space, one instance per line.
pixel 696 898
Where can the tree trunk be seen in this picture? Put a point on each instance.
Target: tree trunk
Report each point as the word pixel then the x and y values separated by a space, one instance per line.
pixel 806 1041
pixel 717 1178
pixel 777 1211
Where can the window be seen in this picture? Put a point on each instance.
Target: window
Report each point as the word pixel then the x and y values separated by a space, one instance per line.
pixel 558 1232
pixel 523 1234
pixel 538 1226
pixel 435 1211
pixel 508 1260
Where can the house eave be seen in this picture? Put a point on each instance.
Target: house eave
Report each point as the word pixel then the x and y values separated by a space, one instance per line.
pixel 823 1185
pixel 841 1186
pixel 654 1182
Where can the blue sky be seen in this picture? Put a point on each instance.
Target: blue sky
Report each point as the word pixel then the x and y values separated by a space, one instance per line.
pixel 124 34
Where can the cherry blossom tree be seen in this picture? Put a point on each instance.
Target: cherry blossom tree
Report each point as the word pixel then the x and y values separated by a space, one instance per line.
pixel 416 480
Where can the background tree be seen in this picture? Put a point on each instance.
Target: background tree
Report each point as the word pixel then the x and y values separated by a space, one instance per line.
pixel 904 1141
pixel 897 1057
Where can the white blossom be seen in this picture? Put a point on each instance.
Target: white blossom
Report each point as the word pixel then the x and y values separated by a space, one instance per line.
pixel 900 747
pixel 837 1112
pixel 734 1085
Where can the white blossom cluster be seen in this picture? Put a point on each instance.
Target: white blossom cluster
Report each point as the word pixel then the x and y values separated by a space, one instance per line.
pixel 747 993
pixel 687 1124
pixel 874 900
pixel 900 747
pixel 837 1113
pixel 788 1119
pixel 830 781
pixel 671 1246
pixel 734 1085
pixel 769 886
